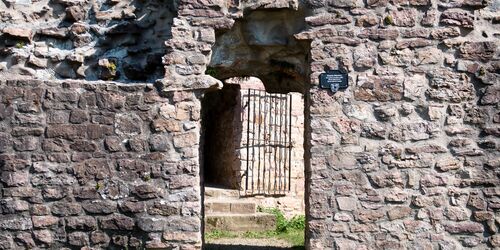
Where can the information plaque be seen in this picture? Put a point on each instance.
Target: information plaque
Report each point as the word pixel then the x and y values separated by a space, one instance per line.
pixel 334 80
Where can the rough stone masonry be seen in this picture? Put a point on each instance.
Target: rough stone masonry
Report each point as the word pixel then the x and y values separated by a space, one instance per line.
pixel 406 158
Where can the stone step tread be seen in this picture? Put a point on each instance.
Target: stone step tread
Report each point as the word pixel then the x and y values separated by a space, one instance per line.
pixel 221 192
pixel 230 207
pixel 237 201
pixel 259 214
pixel 240 222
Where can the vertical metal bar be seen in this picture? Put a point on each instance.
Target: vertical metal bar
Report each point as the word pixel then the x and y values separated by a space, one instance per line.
pixel 283 163
pixel 253 139
pixel 290 149
pixel 268 143
pixel 285 145
pixel 265 143
pixel 282 148
pixel 259 142
pixel 248 138
pixel 279 140
pixel 273 147
pixel 276 147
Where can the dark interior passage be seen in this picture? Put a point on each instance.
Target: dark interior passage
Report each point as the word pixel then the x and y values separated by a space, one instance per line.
pixel 221 134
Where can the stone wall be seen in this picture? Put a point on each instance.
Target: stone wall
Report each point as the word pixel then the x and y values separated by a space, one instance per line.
pixel 101 165
pixel 407 157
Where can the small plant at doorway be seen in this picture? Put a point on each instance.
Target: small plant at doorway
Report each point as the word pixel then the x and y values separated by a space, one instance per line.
pixel 297 222
pixel 287 230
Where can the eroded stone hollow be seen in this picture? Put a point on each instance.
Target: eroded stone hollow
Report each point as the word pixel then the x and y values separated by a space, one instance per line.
pixel 93 40
pixel 262 45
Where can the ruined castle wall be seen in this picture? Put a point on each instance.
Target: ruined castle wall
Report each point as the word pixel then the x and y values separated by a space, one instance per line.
pixel 407 157
pixel 100 164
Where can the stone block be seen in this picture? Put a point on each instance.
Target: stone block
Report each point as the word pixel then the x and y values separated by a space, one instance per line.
pixel 463 227
pixel 116 222
pixel 100 207
pixel 347 203
pixel 399 212
pixel 78 239
pixel 81 223
pixel 376 88
pixel 66 131
pixel 66 208
pixel 15 222
pixel 44 221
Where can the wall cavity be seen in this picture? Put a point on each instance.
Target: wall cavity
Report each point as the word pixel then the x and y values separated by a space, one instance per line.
pixel 262 44
pixel 108 40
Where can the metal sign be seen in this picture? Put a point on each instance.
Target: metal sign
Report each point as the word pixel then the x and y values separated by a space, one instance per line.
pixel 334 80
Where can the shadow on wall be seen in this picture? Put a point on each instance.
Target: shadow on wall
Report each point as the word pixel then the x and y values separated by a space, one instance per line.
pixel 94 40
pixel 221 124
pixel 262 44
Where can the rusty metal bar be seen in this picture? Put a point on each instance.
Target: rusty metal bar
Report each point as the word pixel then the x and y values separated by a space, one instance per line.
pixel 290 146
pixel 248 139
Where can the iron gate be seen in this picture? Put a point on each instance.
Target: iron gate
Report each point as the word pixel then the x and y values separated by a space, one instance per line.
pixel 268 142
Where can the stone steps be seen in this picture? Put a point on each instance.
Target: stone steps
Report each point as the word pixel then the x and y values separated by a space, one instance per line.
pixel 239 222
pixel 224 210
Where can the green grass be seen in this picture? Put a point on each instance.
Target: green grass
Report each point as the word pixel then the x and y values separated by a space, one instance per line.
pixel 219 234
pixel 290 230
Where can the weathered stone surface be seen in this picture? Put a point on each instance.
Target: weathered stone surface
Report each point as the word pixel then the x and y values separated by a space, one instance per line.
pixel 449 86
pixel 83 223
pixel 346 203
pixel 463 227
pixel 457 18
pixel 12 222
pixel 403 18
pixel 375 88
pixel 399 212
pixel 387 179
pixel 325 19
pixel 100 207
pixel 152 224
pixel 66 208
pixel 78 239
pixel 116 222
pixel 379 34
pixel 478 51
pixel 44 221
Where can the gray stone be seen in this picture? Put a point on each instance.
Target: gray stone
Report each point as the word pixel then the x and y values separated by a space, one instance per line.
pixel 346 203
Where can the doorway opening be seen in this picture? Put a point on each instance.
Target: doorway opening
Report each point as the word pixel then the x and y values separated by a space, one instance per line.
pixel 253 164
pixel 253 129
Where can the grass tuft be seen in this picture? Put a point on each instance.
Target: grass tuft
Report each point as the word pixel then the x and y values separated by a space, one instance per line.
pixel 290 230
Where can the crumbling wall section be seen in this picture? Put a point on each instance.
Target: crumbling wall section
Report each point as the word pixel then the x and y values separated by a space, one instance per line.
pixel 98 165
pixel 104 39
